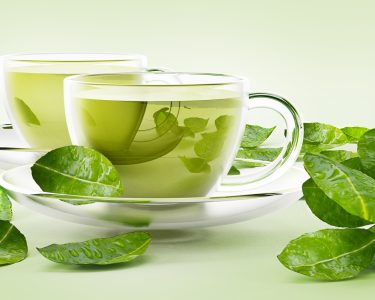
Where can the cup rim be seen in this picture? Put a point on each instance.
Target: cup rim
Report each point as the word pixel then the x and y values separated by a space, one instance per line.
pixel 231 79
pixel 73 57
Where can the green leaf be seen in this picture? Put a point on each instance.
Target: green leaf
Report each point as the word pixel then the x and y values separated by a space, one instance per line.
pixel 353 134
pixel 265 154
pixel 366 151
pixel 102 251
pixel 187 132
pixel 5 206
pixel 195 164
pixel 312 148
pixel 210 145
pixel 328 210
pixel 244 164
pixel 77 170
pixel 255 135
pixel 351 189
pixel 165 121
pixel 196 124
pixel 224 122
pixel 319 133
pixel 355 163
pixel 13 246
pixel 330 254
pixel 339 155
pixel 26 113
pixel 233 171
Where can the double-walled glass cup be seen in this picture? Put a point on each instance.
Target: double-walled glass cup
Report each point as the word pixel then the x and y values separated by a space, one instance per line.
pixel 174 134
pixel 34 87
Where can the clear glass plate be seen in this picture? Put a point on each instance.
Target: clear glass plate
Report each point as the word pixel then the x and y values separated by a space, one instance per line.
pixel 154 213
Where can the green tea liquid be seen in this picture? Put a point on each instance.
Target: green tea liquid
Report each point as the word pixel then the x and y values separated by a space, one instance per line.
pixel 36 99
pixel 162 148
pixel 37 104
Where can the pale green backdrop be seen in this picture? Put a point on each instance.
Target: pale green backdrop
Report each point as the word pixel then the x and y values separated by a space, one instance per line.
pixel 319 54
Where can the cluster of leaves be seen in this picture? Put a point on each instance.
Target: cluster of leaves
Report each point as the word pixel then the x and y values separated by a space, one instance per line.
pixel 64 170
pixel 208 145
pixel 250 149
pixel 340 192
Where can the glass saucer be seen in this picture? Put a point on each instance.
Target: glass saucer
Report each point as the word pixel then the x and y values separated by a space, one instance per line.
pixel 155 213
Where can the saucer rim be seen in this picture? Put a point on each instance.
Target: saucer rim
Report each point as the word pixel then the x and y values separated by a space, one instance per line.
pixel 235 196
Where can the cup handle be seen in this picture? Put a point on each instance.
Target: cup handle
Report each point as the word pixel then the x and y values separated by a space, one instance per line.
pixel 287 157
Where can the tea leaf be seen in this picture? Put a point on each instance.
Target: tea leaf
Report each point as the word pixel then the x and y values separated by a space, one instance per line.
pixel 101 251
pixel 330 254
pixel 224 122
pixel 195 164
pixel 351 189
pixel 311 148
pixel 339 155
pixel 243 164
pixel 353 134
pixel 187 132
pixel 234 171
pixel 210 145
pixel 165 121
pixel 5 206
pixel 353 163
pixel 319 137
pixel 255 135
pixel 328 210
pixel 366 150
pixel 265 154
pixel 77 170
pixel 240 164
pixel 196 124
pixel 13 246
pixel 319 133
pixel 26 113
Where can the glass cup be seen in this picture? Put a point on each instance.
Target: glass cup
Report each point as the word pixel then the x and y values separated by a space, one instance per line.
pixel 174 134
pixel 34 87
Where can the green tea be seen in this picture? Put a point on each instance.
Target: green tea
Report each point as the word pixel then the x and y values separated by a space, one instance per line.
pixel 37 104
pixel 36 100
pixel 161 148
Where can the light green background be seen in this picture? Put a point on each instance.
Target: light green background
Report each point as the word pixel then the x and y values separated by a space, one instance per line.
pixel 319 54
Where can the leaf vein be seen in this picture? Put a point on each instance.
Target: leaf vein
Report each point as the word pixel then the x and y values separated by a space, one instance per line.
pixel 74 178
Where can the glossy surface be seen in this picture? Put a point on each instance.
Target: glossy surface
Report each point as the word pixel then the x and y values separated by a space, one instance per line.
pixel 353 134
pixel 5 206
pixel 77 170
pixel 255 135
pixel 13 247
pixel 328 210
pixel 100 251
pixel 352 189
pixel 330 254
pixel 366 151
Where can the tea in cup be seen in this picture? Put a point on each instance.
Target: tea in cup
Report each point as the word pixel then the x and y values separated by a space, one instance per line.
pixel 173 134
